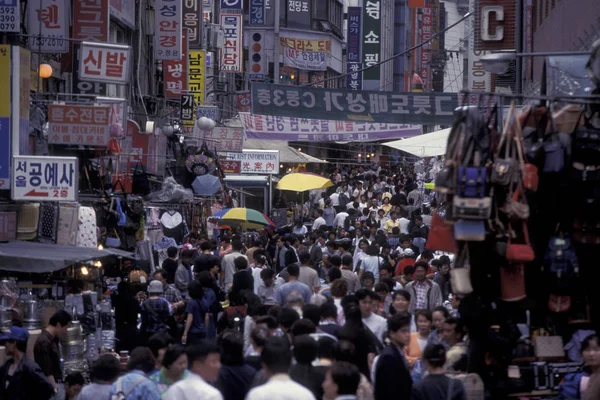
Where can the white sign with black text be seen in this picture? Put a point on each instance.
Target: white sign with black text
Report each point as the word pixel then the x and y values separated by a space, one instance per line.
pixel 38 178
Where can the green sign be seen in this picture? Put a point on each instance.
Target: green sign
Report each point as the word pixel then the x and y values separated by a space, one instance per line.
pixel 371 38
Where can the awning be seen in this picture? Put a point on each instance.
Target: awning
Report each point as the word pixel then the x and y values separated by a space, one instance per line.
pixel 287 154
pixel 42 257
pixel 427 145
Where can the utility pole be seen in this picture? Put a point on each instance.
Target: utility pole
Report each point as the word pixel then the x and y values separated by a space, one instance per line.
pixel 277 49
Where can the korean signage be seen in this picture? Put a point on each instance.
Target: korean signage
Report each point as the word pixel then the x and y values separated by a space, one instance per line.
pixel 167 39
pixel 90 20
pixel 339 104
pixel 224 139
pixel 353 58
pixel 210 112
pixel 123 11
pixel 196 65
pixel 139 145
pixel 231 4
pixel 48 23
pixel 426 34
pixel 268 127
pixel 45 178
pixel 231 52
pixel 192 12
pixel 298 14
pixel 10 15
pixel 104 63
pixel 495 25
pixel 305 44
pixel 243 102
pixel 371 40
pixel 187 108
pixel 257 12
pixel 175 72
pixel 307 60
pixel 256 162
pixel 5 147
pixel 79 125
pixel 82 86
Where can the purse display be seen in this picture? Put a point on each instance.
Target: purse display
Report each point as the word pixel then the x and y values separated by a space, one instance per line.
pixel 441 235
pixel 469 230
pixel 471 182
pixel 460 275
pixel 471 208
pixel 549 347
pixel 504 169
pixel 520 252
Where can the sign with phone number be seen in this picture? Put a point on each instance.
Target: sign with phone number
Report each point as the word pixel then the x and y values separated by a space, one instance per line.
pixel 10 16
pixel 37 178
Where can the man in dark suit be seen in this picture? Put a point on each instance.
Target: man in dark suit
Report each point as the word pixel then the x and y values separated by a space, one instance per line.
pixel 291 256
pixel 316 254
pixel 392 378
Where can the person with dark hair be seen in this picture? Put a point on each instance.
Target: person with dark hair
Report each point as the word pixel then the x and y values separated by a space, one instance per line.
pixel 242 279
pixel 235 376
pixel 205 362
pixel 105 370
pixel 174 368
pixel 374 322
pixel 419 339
pixel 305 352
pixel 308 275
pixel 276 359
pixel 171 293
pixel 436 385
pixel 127 308
pixel 328 315
pixel 258 337
pixel 293 288
pixel 156 312
pixel 210 290
pixel 46 351
pixel 228 268
pixel 442 278
pixel 170 264
pixel 341 382
pixel 158 344
pixel 183 275
pixel 453 333
pixel 303 327
pixel 371 262
pixel 345 351
pixel 198 316
pixel 286 318
pixel 425 294
pixel 135 384
pixel 590 352
pixel 292 256
pixel 392 377
pixel 73 384
pixel 268 286
pixel 20 377
pixel 348 273
pixel 439 315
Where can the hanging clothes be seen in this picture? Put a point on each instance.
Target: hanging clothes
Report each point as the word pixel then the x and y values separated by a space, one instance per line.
pixel 173 225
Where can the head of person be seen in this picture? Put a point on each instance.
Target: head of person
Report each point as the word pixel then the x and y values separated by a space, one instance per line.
pixel 418 220
pixel 106 369
pixel 405 245
pixel 420 271
pixel 305 349
pixel 590 351
pixel 269 321
pixel 241 263
pixel 328 311
pixel 341 379
pixel 444 265
pixel 172 252
pixel 294 242
pixel 175 362
pixel 293 271
pixel 206 280
pixel 335 261
pixel 267 275
pixel 141 359
pixel 368 279
pixel 286 318
pixel 303 326
pixel 427 255
pixel 319 213
pixel 298 223
pixel 424 322
pixel 205 360
pixel 435 266
pixel 225 241
pixel 399 328
pixel 400 301
pixel 386 271
pixel 304 258
pixel 382 290
pixel 237 246
pixel 434 356
pixel 195 290
pixel 158 345
pixel 394 216
pixel 59 323
pixel 206 246
pixel 276 356
pixel 339 288
pixel 231 345
pixel 438 316
pixel 347 261
pixel 333 274
pixel 74 382
pixel 280 241
pixel 408 272
pixel 259 335
pixel 381 211
pixel 187 257
pixel 15 341
pixel 161 275
pixel 453 331
pixel 373 250
pixel 364 301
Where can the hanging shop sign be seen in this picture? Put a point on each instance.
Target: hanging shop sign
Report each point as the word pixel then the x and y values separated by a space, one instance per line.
pixel 244 102
pixel 82 86
pixel 298 14
pixel 223 138
pixel 175 72
pixel 494 25
pixel 353 59
pixel 167 39
pixel 5 148
pixel 231 167
pixel 39 178
pixel 10 17
pixel 231 4
pixel 426 34
pixel 123 11
pixel 192 14
pixel 339 104
pixel 257 13
pixel 256 161
pixel 90 20
pixel 48 26
pixel 268 127
pixel 305 44
pixel 79 124
pixel 109 63
pixel 231 52
pixel 371 39
pixel 210 112
pixel 307 60
pixel 187 108
pixel 196 82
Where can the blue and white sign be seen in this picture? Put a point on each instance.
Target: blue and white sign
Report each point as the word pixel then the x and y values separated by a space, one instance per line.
pixel 353 60
pixel 231 4
pixel 10 16
pixel 210 112
pixel 257 12
pixel 37 178
pixel 5 153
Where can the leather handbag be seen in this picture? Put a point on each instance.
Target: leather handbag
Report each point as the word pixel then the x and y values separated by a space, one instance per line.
pixel 515 206
pixel 504 169
pixel 471 181
pixel 471 208
pixel 520 252
pixel 460 275
pixel 441 236
pixel 445 181
pixel 470 231
pixel 558 303
pixel 529 172
pixel 512 283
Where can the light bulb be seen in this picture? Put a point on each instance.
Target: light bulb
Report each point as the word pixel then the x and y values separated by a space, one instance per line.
pixel 359 155
pixel 98 264
pixel 100 247
pixel 84 271
pixel 299 149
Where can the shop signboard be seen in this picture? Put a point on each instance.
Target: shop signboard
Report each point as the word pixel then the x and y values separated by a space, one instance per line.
pixel 257 13
pixel 223 138
pixel 167 39
pixel 371 39
pixel 196 82
pixel 82 86
pixel 231 4
pixel 39 178
pixel 5 147
pixel 305 44
pixel 426 34
pixel 90 20
pixel 256 161
pixel 175 72
pixel 192 14
pixel 109 63
pixel 210 112
pixel 494 25
pixel 48 26
pixel 353 59
pixel 231 52
pixel 268 127
pixel 187 108
pixel 298 14
pixel 349 105
pixel 306 60
pixel 10 16
pixel 84 125
pixel 231 167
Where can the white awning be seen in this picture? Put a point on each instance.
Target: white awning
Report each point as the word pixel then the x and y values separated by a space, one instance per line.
pixel 427 145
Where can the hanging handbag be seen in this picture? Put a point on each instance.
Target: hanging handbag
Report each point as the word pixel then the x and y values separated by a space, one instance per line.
pixel 470 231
pixel 471 208
pixel 140 182
pixel 471 181
pixel 441 236
pixel 504 169
pixel 558 303
pixel 512 283
pixel 460 275
pixel 114 242
pixel 114 147
pixel 123 182
pixel 516 207
pixel 520 252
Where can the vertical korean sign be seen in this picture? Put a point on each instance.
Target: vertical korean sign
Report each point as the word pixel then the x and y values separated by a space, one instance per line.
pixel 167 39
pixel 48 23
pixel 196 82
pixel 192 14
pixel 371 42
pixel 426 33
pixel 353 60
pixel 5 147
pixel 257 12
pixel 10 15
pixel 175 72
pixel 231 53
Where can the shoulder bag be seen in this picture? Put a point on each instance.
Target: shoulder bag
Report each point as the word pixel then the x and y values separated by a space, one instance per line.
pixel 441 235
pixel 460 277
pixel 520 252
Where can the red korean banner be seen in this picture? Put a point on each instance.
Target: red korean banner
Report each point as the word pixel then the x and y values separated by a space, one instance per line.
pixel 167 38
pixel 90 20
pixel 175 72
pixel 79 125
pixel 224 139
pixel 139 143
pixel 108 63
pixel 231 52
pixel 426 34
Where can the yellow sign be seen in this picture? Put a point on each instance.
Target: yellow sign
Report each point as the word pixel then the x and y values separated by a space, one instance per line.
pixel 5 80
pixel 196 81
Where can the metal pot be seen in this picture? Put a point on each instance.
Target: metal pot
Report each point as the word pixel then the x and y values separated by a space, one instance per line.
pixel 31 315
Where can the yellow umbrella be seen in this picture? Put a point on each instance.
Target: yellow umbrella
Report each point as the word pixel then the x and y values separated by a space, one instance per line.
pixel 301 182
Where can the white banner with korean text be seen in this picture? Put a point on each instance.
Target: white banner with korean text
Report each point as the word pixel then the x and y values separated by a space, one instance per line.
pixel 222 138
pixel 108 63
pixel 231 52
pixel 37 178
pixel 48 26
pixel 167 38
pixel 307 60
pixel 82 125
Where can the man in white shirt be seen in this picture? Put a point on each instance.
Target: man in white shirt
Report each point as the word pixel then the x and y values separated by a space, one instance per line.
pixel 267 286
pixel 228 266
pixel 276 358
pixel 340 218
pixel 335 198
pixel 205 361
pixel 374 322
pixel 319 221
pixel 404 222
